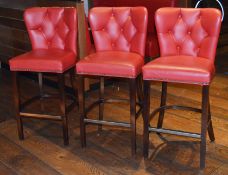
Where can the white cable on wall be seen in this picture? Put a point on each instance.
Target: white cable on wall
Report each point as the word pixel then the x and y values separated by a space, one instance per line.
pixel 220 4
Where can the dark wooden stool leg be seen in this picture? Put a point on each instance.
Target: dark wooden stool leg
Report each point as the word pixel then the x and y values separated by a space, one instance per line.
pixel 101 105
pixel 132 93
pixel 81 96
pixel 163 103
pixel 72 81
pixel 17 105
pixel 146 113
pixel 139 89
pixel 63 108
pixel 204 119
pixel 210 126
pixel 40 80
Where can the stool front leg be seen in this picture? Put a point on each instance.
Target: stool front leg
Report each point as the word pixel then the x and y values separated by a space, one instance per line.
pixel 40 80
pixel 101 104
pixel 140 89
pixel 61 78
pixel 132 93
pixel 204 119
pixel 81 96
pixel 17 104
pixel 72 81
pixel 163 103
pixel 146 114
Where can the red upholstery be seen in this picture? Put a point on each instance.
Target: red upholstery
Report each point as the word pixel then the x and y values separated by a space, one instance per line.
pixel 119 35
pixel 44 60
pixel 53 33
pixel 188 31
pixel 111 63
pixel 122 29
pixel 188 42
pixel 152 48
pixel 186 69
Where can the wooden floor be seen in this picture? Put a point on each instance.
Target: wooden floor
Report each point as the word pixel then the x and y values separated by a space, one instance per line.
pixel 42 152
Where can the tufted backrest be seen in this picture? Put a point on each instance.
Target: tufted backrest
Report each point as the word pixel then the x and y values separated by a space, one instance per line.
pixel 188 31
pixel 119 28
pixel 151 5
pixel 52 27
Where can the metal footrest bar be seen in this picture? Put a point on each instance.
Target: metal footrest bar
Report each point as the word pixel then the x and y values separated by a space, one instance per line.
pixel 116 100
pixel 110 123
pixel 38 97
pixel 175 132
pixel 94 104
pixel 176 107
pixel 40 116
pixel 119 100
pixel 50 96
pixel 57 96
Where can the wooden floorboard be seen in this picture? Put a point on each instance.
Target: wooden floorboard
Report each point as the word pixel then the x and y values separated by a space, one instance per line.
pixel 4 170
pixel 20 160
pixel 42 151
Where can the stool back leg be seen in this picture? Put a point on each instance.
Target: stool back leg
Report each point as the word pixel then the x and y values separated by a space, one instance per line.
pixel 101 104
pixel 132 93
pixel 61 78
pixel 146 113
pixel 17 104
pixel 163 103
pixel 204 119
pixel 81 99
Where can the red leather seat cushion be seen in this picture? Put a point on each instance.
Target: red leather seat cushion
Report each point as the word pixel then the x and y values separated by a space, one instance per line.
pixel 44 60
pixel 111 63
pixel 181 69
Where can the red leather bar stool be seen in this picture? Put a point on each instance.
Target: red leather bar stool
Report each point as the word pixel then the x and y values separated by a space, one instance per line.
pixel 53 35
pixel 119 35
pixel 188 40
